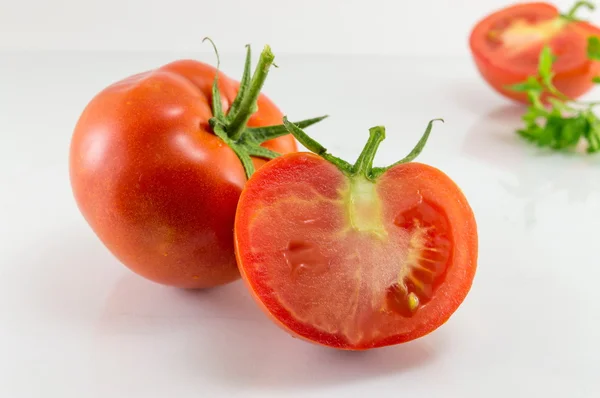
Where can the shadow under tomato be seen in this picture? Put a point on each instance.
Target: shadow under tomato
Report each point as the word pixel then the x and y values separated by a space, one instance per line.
pixel 68 277
pixel 263 355
pixel 144 335
pixel 225 337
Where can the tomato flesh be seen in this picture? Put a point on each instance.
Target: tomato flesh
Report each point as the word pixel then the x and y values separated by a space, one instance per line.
pixel 351 263
pixel 518 42
pixel 428 255
pixel 506 47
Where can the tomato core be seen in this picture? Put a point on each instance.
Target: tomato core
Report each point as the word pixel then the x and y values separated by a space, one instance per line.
pixel 522 33
pixel 516 41
pixel 364 206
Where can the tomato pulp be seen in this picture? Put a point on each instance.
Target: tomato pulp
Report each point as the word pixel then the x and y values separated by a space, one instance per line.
pixel 154 181
pixel 506 45
pixel 351 260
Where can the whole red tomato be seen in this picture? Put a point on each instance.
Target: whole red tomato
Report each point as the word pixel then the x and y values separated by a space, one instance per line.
pixel 506 45
pixel 158 162
pixel 351 256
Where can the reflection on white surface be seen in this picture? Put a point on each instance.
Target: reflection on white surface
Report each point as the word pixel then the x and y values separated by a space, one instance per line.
pixel 532 174
pixel 222 335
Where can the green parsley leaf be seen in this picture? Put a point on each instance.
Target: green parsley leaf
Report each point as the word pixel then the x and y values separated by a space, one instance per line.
pixel 558 122
pixel 571 131
pixel 592 135
pixel 561 106
pixel 536 101
pixel 530 84
pixel 531 132
pixel 545 64
pixel 593 48
pixel 550 131
pixel 532 115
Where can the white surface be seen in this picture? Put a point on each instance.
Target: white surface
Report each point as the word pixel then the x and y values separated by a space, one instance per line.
pixel 400 27
pixel 76 323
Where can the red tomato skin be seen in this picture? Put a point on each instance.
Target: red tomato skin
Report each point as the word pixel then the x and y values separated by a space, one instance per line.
pixel 573 82
pixel 433 183
pixel 157 187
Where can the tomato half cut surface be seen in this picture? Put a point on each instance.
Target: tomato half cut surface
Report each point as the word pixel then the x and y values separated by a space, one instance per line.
pixel 353 262
pixel 506 46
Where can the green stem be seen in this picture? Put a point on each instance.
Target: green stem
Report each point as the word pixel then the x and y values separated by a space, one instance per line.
pixel 244 83
pixel 554 91
pixel 570 15
pixel 232 128
pixel 364 163
pixel 216 94
pixel 315 147
pixel 248 103
pixel 262 134
pixel 416 151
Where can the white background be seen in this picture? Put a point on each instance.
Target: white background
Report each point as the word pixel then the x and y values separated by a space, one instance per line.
pixel 76 323
pixel 416 27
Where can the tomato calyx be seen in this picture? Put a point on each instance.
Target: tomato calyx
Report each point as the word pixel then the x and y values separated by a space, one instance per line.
pixel 363 167
pixel 232 127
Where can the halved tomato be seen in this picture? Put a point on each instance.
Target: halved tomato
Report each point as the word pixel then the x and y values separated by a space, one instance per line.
pixel 506 46
pixel 355 257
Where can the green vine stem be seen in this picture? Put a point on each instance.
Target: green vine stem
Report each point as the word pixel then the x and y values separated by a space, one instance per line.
pixel 364 163
pixel 416 151
pixel 316 147
pixel 248 103
pixel 570 15
pixel 244 83
pixel 232 127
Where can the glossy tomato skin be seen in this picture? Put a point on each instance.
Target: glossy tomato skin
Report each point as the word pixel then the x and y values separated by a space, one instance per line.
pixel 155 184
pixel 308 190
pixel 500 68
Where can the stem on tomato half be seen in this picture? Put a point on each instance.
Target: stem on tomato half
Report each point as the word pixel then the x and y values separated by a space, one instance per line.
pixel 232 127
pixel 364 163
pixel 416 151
pixel 570 15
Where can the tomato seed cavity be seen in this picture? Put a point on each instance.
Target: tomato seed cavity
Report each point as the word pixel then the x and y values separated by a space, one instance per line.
pixel 424 268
